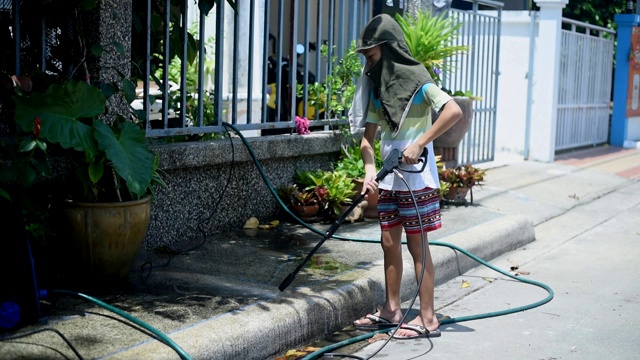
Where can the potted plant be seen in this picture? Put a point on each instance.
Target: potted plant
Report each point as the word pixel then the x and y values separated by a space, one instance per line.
pixel 107 197
pixel 431 40
pixel 332 191
pixel 456 182
pixel 304 203
pixel 306 197
pixel 340 191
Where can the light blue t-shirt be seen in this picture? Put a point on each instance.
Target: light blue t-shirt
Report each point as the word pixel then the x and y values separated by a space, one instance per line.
pixel 416 121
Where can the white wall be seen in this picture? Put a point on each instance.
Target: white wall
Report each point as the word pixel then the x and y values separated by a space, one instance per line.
pixel 633 131
pixel 243 64
pixel 512 82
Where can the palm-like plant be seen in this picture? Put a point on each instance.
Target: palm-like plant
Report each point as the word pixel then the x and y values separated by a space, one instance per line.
pixel 431 41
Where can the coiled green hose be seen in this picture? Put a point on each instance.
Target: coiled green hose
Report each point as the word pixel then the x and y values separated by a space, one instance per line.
pixel 549 297
pixel 326 349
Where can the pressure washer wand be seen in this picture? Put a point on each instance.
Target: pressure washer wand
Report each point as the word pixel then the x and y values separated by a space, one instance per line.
pixel 392 162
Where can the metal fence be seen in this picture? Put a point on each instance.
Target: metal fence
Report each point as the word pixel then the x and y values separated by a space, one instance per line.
pixel 262 52
pixel 30 43
pixel 254 70
pixel 477 71
pixel 250 61
pixel 586 75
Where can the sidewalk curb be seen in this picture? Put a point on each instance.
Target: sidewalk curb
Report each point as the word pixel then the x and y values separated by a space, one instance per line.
pixel 300 315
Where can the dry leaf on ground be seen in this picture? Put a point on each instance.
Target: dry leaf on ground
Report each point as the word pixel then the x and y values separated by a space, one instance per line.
pixel 378 337
pixel 251 223
pixel 514 266
pixel 465 284
pixel 297 353
pixel 270 225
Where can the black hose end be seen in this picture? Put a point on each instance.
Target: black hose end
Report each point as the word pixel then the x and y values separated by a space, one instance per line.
pixel 286 282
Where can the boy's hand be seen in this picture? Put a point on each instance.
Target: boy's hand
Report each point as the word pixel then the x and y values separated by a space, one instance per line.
pixel 370 183
pixel 411 154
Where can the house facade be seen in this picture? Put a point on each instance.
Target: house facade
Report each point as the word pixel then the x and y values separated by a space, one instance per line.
pixel 516 67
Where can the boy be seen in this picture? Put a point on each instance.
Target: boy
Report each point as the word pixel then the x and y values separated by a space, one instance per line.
pixel 399 104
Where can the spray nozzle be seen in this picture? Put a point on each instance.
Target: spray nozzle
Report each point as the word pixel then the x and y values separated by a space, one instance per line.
pixel 394 161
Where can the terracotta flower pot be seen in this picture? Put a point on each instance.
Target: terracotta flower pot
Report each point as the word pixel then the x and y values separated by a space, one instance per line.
pixel 305 211
pixel 452 137
pixel 456 195
pixel 106 237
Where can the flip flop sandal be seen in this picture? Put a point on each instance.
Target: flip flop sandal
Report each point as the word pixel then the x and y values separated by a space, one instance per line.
pixel 377 323
pixel 420 332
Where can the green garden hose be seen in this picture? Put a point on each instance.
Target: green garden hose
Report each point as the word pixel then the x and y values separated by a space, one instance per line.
pixel 324 350
pixel 161 336
pixel 549 297
pixel 184 356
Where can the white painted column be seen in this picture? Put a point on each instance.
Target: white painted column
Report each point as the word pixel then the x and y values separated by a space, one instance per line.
pixel 544 111
pixel 242 42
pixel 244 64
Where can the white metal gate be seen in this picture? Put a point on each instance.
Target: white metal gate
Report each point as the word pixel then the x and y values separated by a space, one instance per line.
pixel 584 96
pixel 477 72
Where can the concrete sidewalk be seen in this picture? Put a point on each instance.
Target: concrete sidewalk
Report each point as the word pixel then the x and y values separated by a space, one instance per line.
pixel 220 300
pixel 587 256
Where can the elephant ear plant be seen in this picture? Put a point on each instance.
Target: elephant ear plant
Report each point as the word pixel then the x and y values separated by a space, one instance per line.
pixel 112 161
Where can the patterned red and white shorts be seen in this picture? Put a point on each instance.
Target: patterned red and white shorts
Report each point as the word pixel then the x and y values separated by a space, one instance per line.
pixel 397 207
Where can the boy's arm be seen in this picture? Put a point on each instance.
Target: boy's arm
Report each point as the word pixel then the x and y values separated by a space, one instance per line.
pixel 368 157
pixel 450 114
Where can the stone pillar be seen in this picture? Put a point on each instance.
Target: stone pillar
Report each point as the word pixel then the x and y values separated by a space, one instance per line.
pixel 108 23
pixel 544 113
pixel 619 122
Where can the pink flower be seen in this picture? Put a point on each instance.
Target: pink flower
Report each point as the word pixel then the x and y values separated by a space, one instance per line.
pixel 302 125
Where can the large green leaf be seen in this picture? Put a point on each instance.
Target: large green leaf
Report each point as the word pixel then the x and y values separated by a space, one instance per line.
pixel 4 194
pixel 59 111
pixel 128 154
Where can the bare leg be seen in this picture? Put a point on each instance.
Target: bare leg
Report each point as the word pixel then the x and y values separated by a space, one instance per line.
pixel 391 246
pixel 426 316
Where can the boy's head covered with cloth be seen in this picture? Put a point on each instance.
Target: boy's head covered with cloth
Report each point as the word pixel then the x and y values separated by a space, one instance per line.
pixel 397 75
